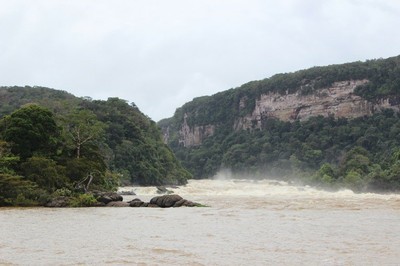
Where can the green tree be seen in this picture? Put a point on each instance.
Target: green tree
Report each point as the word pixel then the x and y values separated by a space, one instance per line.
pixel 31 129
pixel 8 161
pixel 357 159
pixel 354 180
pixel 45 173
pixel 12 186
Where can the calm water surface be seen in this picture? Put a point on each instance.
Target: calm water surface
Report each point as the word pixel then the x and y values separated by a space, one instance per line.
pixel 249 223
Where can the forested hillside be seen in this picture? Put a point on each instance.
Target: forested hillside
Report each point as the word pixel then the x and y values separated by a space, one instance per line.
pixel 52 142
pixel 335 126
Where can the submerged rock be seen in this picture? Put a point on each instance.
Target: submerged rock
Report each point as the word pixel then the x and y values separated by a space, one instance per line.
pixel 126 193
pixel 163 190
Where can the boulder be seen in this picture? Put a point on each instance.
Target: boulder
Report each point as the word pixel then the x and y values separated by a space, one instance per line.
pixel 147 204
pixel 117 204
pixel 61 201
pixel 110 199
pixel 107 197
pixel 186 203
pixel 136 203
pixel 179 203
pixel 165 201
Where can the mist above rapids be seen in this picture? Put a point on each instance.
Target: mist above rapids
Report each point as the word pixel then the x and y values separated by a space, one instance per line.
pixel 269 193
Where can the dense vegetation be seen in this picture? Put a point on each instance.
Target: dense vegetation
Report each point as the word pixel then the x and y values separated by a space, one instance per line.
pixel 58 145
pixel 362 154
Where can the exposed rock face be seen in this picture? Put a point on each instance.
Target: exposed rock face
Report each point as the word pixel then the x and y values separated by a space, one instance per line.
pixel 337 100
pixel 193 136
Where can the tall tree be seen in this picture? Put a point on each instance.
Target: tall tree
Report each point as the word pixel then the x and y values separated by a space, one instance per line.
pixel 83 127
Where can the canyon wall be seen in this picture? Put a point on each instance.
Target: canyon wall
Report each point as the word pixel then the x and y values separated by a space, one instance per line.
pixel 337 100
pixel 193 136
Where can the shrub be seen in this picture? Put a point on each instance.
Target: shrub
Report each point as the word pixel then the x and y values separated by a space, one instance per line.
pixel 21 200
pixel 62 192
pixel 83 200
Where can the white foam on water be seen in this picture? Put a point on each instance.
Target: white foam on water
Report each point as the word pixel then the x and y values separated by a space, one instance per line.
pixel 256 188
pixel 269 192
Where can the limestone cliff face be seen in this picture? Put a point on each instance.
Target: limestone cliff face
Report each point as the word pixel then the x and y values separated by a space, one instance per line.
pixel 193 136
pixel 337 100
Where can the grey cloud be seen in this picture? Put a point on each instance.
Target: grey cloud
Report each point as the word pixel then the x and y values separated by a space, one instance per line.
pixel 161 54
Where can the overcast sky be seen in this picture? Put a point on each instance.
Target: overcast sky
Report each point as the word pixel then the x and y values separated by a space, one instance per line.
pixel 160 54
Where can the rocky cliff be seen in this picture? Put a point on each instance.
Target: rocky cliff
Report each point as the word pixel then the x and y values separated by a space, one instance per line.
pixel 338 100
pixel 192 136
pixel 349 90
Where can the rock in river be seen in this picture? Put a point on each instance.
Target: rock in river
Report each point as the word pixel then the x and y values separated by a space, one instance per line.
pixel 117 204
pixel 163 190
pixel 107 197
pixel 57 202
pixel 167 201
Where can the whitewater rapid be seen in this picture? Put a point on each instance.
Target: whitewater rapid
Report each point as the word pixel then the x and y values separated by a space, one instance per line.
pixel 248 222
pixel 269 193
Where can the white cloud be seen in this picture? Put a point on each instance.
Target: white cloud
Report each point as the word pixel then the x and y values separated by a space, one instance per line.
pixel 160 54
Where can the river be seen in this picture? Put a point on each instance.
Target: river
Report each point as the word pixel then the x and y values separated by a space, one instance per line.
pixel 248 222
